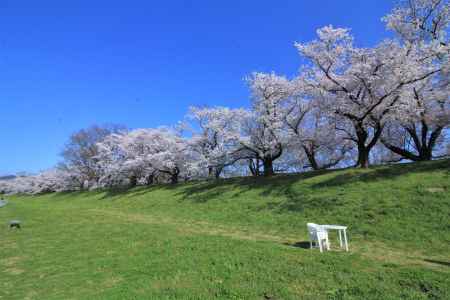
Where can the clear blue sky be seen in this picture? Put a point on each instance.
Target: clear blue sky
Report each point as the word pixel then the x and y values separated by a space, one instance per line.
pixel 65 65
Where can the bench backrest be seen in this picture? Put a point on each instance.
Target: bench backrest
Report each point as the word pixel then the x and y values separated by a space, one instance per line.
pixel 314 230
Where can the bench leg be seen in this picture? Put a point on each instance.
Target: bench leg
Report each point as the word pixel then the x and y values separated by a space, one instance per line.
pixel 346 241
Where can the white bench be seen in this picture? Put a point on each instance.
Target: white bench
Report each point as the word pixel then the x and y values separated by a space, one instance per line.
pixel 319 233
pixel 319 236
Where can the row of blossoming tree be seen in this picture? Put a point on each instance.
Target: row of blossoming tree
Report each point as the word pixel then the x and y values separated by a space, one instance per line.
pixel 348 106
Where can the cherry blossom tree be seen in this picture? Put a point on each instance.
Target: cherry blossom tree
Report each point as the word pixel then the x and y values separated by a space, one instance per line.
pixel 53 180
pixel 143 153
pixel 81 151
pixel 313 131
pixel 18 185
pixel 262 136
pixel 170 154
pixel 214 137
pixel 421 20
pixel 417 129
pixel 361 86
pixel 124 158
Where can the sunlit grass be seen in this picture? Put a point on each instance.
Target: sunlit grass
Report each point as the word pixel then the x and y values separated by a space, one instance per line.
pixel 240 238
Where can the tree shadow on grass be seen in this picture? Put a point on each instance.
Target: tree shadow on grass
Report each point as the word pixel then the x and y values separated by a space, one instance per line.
pixel 284 189
pixel 101 193
pixel 289 196
pixel 115 193
pixel 278 185
pixel 60 196
pixel 132 192
pixel 383 172
pixel 438 262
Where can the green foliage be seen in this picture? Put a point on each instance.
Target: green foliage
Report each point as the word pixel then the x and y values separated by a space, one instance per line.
pixel 242 238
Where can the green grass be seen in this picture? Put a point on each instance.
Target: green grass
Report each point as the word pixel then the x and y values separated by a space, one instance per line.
pixel 242 238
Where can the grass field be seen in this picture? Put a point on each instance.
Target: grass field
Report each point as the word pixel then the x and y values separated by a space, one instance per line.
pixel 242 238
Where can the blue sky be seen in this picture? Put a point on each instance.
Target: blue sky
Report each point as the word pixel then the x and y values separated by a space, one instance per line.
pixel 65 65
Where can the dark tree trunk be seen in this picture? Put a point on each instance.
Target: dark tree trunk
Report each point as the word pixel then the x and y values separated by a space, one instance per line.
pixel 311 157
pixel 217 172
pixel 214 172
pixel 150 179
pixel 253 166
pixel 426 155
pixel 362 135
pixel 210 171
pixel 424 145
pixel 268 167
pixel 268 161
pixel 311 153
pixel 363 157
pixel 174 176
pixel 423 154
pixel 133 181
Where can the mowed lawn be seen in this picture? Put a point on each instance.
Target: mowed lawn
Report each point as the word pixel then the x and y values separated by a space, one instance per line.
pixel 242 238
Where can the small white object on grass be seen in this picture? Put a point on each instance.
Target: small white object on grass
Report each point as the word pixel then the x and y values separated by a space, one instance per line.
pixel 342 231
pixel 318 235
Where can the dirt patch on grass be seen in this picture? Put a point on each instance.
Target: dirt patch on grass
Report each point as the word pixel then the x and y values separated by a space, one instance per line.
pixel 173 284
pixel 112 282
pixel 31 295
pixel 10 265
pixel 8 244
pixel 10 261
pixel 14 271
pixel 395 257
pixel 435 190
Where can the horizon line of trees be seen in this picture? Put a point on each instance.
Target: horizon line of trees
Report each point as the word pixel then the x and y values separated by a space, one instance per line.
pixel 348 106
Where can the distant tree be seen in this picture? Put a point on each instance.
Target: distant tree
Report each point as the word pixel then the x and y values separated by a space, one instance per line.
pixel 53 180
pixel 81 151
pixel 141 154
pixel 122 158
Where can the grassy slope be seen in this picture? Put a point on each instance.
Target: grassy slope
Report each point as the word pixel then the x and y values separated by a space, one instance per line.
pixel 235 239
